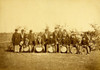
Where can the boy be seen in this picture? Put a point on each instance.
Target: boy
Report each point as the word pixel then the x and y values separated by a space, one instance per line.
pixel 30 37
pixel 16 40
pixel 74 42
pixel 51 44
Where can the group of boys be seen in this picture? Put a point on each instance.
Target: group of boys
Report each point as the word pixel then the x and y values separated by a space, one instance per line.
pixel 57 38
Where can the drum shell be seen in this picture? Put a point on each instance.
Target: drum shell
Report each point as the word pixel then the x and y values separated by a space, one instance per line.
pixel 26 49
pixel 39 48
pixel 63 49
pixel 51 48
pixel 92 46
pixel 73 49
pixel 84 49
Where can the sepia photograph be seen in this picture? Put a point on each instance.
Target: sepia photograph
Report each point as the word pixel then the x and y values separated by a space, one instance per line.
pixel 49 34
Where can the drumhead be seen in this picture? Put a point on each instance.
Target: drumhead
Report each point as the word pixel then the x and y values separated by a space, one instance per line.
pixel 63 49
pixel 50 49
pixel 49 46
pixel 84 51
pixel 38 48
pixel 92 47
pixel 73 50
pixel 26 49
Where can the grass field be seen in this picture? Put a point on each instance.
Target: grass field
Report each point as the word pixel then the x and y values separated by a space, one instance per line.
pixel 47 61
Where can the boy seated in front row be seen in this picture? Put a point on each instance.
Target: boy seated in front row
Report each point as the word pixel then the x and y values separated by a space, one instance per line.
pixel 74 42
pixel 51 44
pixel 25 47
pixel 85 44
pixel 39 43
pixel 16 40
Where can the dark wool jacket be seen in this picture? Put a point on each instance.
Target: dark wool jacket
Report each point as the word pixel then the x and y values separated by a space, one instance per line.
pixel 74 41
pixel 84 42
pixel 51 41
pixel 23 38
pixel 16 39
pixel 65 40
pixel 44 37
pixel 38 41
pixel 31 38
pixel 56 37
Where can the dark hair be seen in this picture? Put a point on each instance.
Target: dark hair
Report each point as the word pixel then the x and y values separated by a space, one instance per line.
pixel 30 30
pixel 22 30
pixel 16 29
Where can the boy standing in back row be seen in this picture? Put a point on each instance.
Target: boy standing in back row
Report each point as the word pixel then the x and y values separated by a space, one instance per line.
pixel 16 40
pixel 30 37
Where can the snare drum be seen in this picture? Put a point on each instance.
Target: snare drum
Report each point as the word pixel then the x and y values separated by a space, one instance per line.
pixel 83 51
pixel 50 48
pixel 26 48
pixel 73 50
pixel 63 49
pixel 92 46
pixel 39 48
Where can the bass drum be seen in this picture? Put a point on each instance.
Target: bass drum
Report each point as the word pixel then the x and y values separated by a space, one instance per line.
pixel 50 48
pixel 73 50
pixel 63 49
pixel 39 48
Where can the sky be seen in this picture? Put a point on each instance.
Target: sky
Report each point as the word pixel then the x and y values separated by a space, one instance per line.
pixel 37 14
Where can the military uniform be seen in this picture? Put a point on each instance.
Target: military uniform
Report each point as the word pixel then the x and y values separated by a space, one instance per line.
pixel 56 39
pixel 51 46
pixel 30 37
pixel 65 40
pixel 22 36
pixel 45 39
pixel 74 42
pixel 39 42
pixel 22 40
pixel 16 41
pixel 85 44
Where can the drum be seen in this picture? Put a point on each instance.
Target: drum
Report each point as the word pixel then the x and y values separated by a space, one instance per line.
pixel 83 51
pixel 50 48
pixel 21 43
pixel 73 50
pixel 92 46
pixel 39 48
pixel 26 49
pixel 17 48
pixel 63 49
